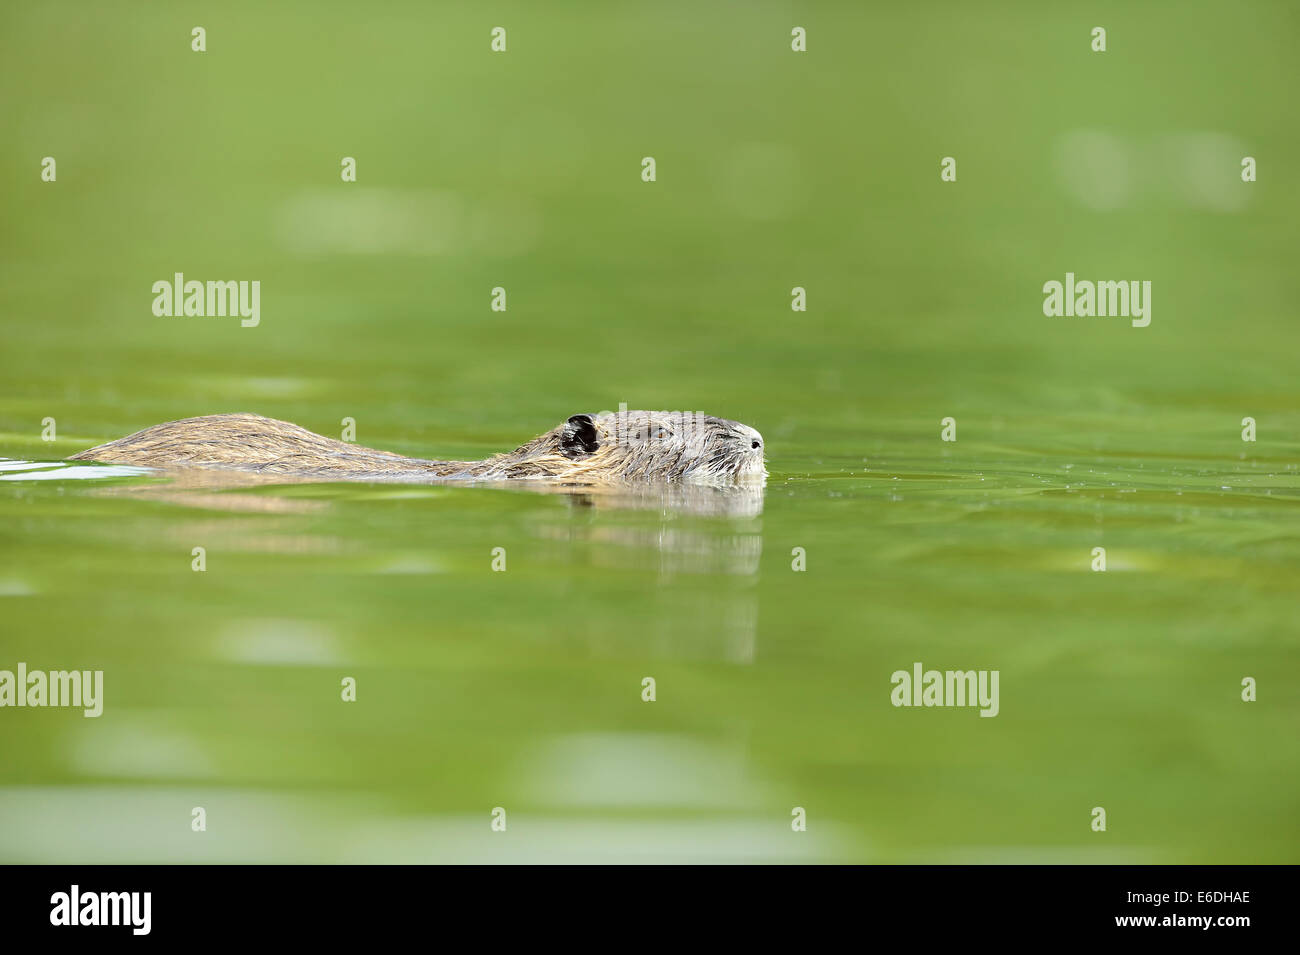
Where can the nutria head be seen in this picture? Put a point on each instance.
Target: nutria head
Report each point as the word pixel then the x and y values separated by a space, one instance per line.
pixel 639 445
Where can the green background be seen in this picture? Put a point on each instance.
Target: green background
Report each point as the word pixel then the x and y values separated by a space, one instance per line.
pixel 775 169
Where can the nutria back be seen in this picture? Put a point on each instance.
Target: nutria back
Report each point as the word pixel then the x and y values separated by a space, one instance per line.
pixel 249 442
pixel 623 445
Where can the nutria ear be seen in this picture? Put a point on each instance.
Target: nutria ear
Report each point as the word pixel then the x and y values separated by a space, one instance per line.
pixel 578 436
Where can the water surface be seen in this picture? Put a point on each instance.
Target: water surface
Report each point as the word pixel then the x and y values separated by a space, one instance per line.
pixel 522 688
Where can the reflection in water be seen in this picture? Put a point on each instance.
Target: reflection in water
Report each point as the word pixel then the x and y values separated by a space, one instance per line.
pixel 183 486
pixel 698 500
pixel 729 550
pixel 15 470
pixel 678 550
pixel 725 613
pixel 730 553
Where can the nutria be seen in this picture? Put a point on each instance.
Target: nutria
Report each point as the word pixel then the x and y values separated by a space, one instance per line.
pixel 609 446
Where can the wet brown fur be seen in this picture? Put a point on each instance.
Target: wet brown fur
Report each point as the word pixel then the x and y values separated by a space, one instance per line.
pixel 632 445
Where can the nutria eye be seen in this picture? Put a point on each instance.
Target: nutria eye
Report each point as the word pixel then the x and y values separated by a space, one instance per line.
pixel 755 444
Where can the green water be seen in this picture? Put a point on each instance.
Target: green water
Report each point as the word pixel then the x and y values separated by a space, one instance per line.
pixel 522 688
